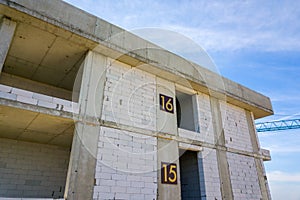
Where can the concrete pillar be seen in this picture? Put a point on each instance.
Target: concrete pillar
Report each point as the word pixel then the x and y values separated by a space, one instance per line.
pixel 226 188
pixel 82 165
pixel 264 188
pixel 7 30
pixel 166 121
pixel 167 150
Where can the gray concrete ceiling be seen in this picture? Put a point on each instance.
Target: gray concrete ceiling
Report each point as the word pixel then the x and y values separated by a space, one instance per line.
pixel 31 126
pixel 43 56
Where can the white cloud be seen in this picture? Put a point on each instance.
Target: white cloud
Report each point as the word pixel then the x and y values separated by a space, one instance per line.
pixel 218 40
pixel 280 191
pixel 274 149
pixel 216 25
pixel 280 176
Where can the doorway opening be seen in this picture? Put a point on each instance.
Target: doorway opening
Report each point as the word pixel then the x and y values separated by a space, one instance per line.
pixel 189 175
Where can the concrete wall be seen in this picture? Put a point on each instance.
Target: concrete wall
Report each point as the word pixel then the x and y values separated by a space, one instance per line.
pixel 243 176
pixel 32 170
pixel 209 175
pixel 235 125
pixel 33 98
pixel 129 96
pixel 205 118
pixel 35 86
pixel 126 166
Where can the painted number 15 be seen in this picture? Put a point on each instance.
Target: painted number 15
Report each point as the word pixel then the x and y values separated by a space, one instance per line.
pixel 166 103
pixel 168 173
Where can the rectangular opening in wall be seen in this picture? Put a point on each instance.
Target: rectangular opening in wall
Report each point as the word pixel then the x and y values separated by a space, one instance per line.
pixel 189 175
pixel 185 111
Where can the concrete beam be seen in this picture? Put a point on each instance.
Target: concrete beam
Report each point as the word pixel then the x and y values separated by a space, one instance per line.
pixel 7 30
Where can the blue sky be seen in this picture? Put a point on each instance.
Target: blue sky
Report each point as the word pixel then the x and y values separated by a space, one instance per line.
pixel 255 43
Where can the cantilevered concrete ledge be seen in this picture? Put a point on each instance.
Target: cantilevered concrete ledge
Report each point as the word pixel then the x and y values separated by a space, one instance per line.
pixel 96 34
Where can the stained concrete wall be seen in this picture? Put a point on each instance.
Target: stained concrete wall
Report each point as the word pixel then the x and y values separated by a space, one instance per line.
pixel 32 170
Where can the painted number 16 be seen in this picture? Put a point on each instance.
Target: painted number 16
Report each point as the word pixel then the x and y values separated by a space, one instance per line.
pixel 166 103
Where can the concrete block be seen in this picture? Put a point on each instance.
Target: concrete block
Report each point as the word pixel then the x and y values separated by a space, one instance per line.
pixel 122 196
pixel 118 189
pixel 108 182
pixel 133 190
pixel 27 100
pixel 123 183
pixel 47 104
pixel 20 92
pixel 67 109
pixel 42 97
pixel 138 184
pixel 137 196
pixel 5 88
pixel 147 191
pixel 119 176
pixel 62 102
pixel 9 96
pixel 102 189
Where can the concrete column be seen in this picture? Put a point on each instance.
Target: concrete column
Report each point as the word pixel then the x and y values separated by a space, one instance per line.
pixel 264 188
pixel 166 122
pixel 168 152
pixel 82 165
pixel 226 188
pixel 7 30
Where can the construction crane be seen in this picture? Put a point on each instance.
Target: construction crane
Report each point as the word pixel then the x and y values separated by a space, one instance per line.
pixel 278 125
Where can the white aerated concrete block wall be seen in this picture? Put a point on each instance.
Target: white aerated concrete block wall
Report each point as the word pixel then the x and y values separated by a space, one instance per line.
pixel 243 175
pixel 126 166
pixel 205 118
pixel 129 96
pixel 32 170
pixel 209 175
pixel 235 127
pixel 32 98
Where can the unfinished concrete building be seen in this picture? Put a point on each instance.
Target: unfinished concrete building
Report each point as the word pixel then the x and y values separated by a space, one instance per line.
pixel 90 111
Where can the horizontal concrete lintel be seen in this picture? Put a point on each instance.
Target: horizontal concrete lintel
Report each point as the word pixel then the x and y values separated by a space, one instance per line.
pixel 190 147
